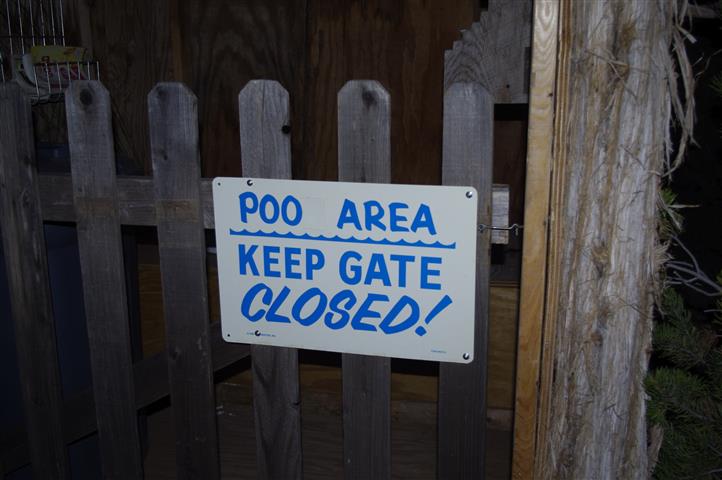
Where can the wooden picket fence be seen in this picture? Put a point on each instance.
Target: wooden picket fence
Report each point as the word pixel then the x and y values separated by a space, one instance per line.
pixel 177 201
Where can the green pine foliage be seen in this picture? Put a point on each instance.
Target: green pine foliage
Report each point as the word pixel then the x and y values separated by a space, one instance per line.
pixel 685 391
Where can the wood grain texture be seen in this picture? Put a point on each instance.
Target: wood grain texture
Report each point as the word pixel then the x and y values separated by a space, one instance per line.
pixel 136 201
pixel 266 153
pixel 414 439
pixel 151 384
pixel 132 42
pixel 401 44
pixel 224 45
pixel 495 52
pixel 468 160
pixel 603 253
pixel 173 116
pixel 364 155
pixel 29 286
pixel 536 208
pixel 101 263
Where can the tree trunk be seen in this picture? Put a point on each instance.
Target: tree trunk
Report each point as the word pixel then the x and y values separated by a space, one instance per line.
pixel 613 114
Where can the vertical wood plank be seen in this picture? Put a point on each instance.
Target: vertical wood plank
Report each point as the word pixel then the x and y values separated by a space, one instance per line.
pixel 364 155
pixel 263 107
pixel 467 160
pixel 547 14
pixel 173 116
pixel 29 284
pixel 101 264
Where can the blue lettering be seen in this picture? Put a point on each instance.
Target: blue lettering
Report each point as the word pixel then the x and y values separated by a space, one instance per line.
pixel 372 218
pixel 314 261
pixel 245 207
pixel 395 218
pixel 423 220
pixel 365 311
pixel 245 259
pixel 268 260
pixel 291 262
pixel 354 270
pixel 272 316
pixel 284 210
pixel 427 272
pixel 377 270
pixel 348 215
pixel 349 298
pixel 405 301
pixel 402 260
pixel 267 200
pixel 248 301
pixel 443 303
pixel 301 302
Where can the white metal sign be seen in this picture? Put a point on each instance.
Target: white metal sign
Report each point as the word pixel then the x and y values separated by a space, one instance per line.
pixel 372 269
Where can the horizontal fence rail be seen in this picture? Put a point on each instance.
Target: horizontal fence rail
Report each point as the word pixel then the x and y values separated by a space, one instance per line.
pixel 179 203
pixel 136 202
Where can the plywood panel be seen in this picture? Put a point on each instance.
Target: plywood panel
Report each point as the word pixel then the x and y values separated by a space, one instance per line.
pixel 225 44
pixel 400 44
pixel 132 42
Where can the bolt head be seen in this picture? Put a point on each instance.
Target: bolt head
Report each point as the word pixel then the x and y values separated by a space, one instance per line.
pixel 249 182
pixel 469 194
pixel 466 356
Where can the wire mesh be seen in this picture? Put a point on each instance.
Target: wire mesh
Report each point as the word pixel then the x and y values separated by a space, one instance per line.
pixel 33 50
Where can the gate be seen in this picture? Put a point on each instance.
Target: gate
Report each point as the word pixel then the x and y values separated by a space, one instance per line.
pixel 177 201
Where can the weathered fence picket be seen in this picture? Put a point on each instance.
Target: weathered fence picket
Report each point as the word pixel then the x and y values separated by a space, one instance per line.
pixel 173 119
pixel 467 160
pixel 266 153
pixel 364 155
pixel 101 263
pixel 28 280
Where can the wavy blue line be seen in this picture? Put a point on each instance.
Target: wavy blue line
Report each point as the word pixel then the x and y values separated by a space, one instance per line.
pixel 321 238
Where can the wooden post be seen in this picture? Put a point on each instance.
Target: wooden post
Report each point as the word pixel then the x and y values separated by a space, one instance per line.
pixel 101 264
pixel 29 283
pixel 173 118
pixel 467 160
pixel 266 153
pixel 364 155
pixel 610 141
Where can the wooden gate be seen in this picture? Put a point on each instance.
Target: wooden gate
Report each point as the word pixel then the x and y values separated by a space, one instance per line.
pixel 177 201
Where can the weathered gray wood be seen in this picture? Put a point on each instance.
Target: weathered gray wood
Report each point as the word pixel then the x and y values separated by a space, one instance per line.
pixel 495 52
pixel 101 263
pixel 266 153
pixel 136 201
pixel 500 213
pixel 467 160
pixel 173 120
pixel 29 284
pixel 364 155
pixel 151 384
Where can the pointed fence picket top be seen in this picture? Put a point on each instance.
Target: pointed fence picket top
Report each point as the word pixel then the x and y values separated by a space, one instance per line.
pixel 364 155
pixel 263 107
pixel 29 283
pixel 467 160
pixel 173 120
pixel 101 264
